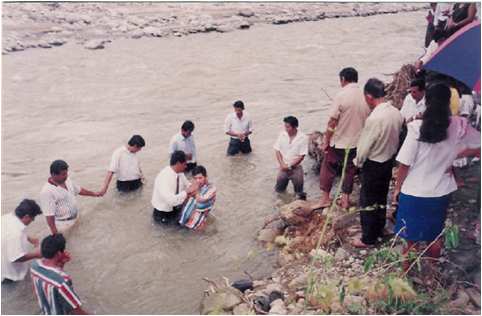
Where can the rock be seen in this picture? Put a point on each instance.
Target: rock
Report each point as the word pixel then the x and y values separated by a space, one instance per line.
pixel 244 25
pixel 262 303
pixel 242 309
pixel 285 258
pixel 278 308
pixel 44 45
pixel 462 298
pixel 273 287
pixel 344 220
pixel 95 44
pixel 266 235
pixel 212 304
pixel 341 254
pixel 231 300
pixel 258 283
pixel 243 285
pixel 280 241
pixel 57 42
pixel 137 33
pixel 246 13
pixel 281 20
pixel 152 31
pixel 296 212
pixel 321 254
pixel 276 295
pixel 225 28
pixel 55 29
pixel 474 296
pixel 363 252
pixel 299 282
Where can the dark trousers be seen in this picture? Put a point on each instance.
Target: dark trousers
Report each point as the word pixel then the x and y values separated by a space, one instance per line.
pixel 375 182
pixel 429 34
pixel 236 145
pixel 167 217
pixel 296 176
pixel 332 166
pixel 127 186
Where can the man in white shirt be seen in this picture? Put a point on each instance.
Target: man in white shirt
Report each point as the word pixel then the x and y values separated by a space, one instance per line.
pixel 291 148
pixel 239 126
pixel 171 190
pixel 57 198
pixel 414 103
pixel 184 141
pixel 125 165
pixel 16 245
pixel 376 149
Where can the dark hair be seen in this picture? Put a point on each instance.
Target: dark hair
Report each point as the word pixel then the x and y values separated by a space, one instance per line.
pixel 28 207
pixel 51 245
pixel 375 88
pixel 137 141
pixel 199 170
pixel 239 104
pixel 419 83
pixel 177 156
pixel 436 118
pixel 187 126
pixel 58 166
pixel 349 74
pixel 293 121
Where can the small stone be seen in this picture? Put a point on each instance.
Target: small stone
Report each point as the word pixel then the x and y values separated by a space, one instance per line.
pixel 273 287
pixel 242 309
pixel 137 33
pixel 298 282
pixel 341 254
pixel 278 308
pixel 363 252
pixel 258 283
pixel 152 31
pixel 57 42
pixel 474 296
pixel 247 13
pixel 44 45
pixel 280 241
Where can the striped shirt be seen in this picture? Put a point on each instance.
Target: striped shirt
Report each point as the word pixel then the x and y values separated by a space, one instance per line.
pixel 53 289
pixel 59 202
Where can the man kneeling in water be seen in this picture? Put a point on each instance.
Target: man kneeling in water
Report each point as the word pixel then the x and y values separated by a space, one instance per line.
pixel 197 208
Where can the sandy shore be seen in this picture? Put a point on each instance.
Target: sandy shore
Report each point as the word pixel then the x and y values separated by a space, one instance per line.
pixel 93 25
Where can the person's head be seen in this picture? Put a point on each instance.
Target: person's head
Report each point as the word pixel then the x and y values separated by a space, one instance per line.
pixel 348 75
pixel 178 161
pixel 187 128
pixel 291 124
pixel 238 108
pixel 436 118
pixel 53 247
pixel 27 210
pixel 417 89
pixel 374 91
pixel 136 143
pixel 59 171
pixel 200 175
pixel 439 36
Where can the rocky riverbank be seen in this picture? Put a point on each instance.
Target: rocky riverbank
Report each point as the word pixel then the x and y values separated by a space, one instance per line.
pixel 319 272
pixel 94 25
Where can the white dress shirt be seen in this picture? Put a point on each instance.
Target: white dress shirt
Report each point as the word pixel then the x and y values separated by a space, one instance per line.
pixel 59 202
pixel 164 196
pixel 411 108
pixel 291 151
pixel 125 165
pixel 232 123
pixel 427 175
pixel 14 246
pixel 380 135
pixel 185 144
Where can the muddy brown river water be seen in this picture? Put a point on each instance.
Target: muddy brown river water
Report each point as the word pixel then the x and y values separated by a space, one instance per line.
pixel 79 105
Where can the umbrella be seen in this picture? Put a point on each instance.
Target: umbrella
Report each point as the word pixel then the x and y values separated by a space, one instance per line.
pixel 459 56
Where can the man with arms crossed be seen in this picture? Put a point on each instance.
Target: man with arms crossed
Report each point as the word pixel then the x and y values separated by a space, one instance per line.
pixel 239 126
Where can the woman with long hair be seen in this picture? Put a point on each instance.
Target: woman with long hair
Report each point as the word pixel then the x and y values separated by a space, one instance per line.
pixel 424 181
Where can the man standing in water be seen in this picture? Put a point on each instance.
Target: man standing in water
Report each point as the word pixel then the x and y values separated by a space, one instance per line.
pixel 171 189
pixel 347 116
pixel 291 148
pixel 57 198
pixel 52 286
pixel 15 242
pixel 239 126
pixel 184 141
pixel 125 165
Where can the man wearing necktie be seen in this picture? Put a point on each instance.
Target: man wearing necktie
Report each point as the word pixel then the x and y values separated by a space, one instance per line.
pixel 171 190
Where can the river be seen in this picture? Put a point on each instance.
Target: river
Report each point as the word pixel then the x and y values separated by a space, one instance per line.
pixel 79 105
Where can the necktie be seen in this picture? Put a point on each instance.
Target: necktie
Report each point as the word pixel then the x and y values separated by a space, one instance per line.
pixel 177 184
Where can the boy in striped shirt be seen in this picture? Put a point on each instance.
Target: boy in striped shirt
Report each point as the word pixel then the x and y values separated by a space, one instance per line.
pixel 52 286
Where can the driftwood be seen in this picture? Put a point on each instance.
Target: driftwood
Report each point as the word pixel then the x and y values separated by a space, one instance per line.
pixel 396 91
pixel 314 150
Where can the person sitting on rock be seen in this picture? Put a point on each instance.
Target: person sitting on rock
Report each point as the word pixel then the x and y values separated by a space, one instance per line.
pixel 238 126
pixel 197 208
pixel 125 165
pixel 291 147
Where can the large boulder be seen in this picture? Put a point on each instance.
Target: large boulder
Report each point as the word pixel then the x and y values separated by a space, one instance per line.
pixel 297 212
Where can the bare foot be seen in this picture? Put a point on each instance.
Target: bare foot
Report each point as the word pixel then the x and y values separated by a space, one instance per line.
pixel 357 243
pixel 345 201
pixel 324 202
